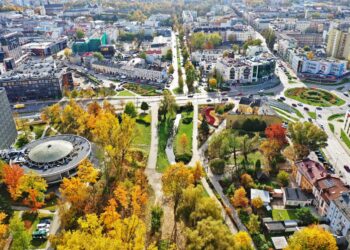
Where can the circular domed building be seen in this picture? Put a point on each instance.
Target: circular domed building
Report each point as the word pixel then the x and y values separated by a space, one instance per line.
pixel 53 157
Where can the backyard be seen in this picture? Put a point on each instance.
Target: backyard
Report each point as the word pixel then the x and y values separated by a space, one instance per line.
pixel 315 97
pixel 284 214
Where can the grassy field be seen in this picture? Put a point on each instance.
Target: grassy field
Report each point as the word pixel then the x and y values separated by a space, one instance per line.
pixel 141 89
pixel 164 130
pixel 284 113
pixel 184 129
pixel 125 93
pixel 331 127
pixel 345 138
pixel 336 116
pixel 315 97
pixel 284 214
pixel 312 114
pixel 143 126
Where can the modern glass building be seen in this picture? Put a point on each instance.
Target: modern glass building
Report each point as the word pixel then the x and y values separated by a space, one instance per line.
pixel 8 132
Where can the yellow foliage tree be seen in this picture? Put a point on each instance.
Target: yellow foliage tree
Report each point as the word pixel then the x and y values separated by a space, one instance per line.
pixel 312 238
pixel 87 173
pixel 3 230
pixel 247 181
pixel 257 202
pixel 242 241
pixel 239 198
pixel 183 143
pixel 197 172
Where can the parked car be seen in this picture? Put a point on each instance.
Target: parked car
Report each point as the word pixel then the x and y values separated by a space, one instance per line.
pixel 306 108
pixel 346 94
pixel 319 108
pixel 309 119
pixel 208 100
pixel 224 99
pixel 283 98
pixel 190 96
pixel 300 104
pixel 294 105
pixel 347 168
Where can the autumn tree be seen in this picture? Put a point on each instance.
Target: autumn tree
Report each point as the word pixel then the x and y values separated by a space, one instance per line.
pixel 277 132
pixel 312 238
pixel 257 202
pixel 175 179
pixel 3 230
pixel 243 241
pixel 247 181
pixel 270 149
pixel 11 177
pixel 33 187
pixel 75 192
pixel 171 70
pixel 20 236
pixel 283 178
pixel 67 52
pixel 306 137
pixel 213 83
pixel 87 173
pixel 183 142
pixel 290 153
pixel 197 172
pixel 239 198
pixel 190 75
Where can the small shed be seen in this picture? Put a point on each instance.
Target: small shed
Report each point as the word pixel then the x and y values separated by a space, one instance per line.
pixel 279 242
pixel 264 195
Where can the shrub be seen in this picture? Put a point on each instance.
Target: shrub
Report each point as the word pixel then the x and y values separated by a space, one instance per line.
pixel 217 166
pixel 229 106
pixel 187 120
pixel 185 158
pixel 219 109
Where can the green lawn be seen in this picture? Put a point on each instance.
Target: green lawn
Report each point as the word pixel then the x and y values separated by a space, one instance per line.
pixel 298 113
pixel 331 127
pixel 315 97
pixel 143 126
pixel 284 113
pixel 335 116
pixel 125 93
pixel 163 135
pixel 184 129
pixel 252 158
pixel 312 114
pixel 345 138
pixel 284 214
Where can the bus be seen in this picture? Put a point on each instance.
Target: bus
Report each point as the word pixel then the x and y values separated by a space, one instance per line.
pixel 19 106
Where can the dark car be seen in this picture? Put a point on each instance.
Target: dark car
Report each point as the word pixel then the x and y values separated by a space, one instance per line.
pixel 294 105
pixel 208 100
pixel 306 108
pixel 310 120
pixel 190 96
pixel 224 99
pixel 319 108
pixel 347 168
pixel 282 98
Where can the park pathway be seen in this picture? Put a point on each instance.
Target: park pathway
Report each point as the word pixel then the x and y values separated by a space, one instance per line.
pixel 154 178
pixel 195 154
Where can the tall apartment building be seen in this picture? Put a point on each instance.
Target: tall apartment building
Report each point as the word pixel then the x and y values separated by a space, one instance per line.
pixel 8 132
pixel 338 43
pixel 9 44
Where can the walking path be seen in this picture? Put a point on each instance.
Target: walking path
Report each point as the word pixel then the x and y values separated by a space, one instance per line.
pixel 195 155
pixel 154 178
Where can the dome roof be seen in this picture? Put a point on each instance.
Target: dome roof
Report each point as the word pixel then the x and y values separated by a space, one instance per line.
pixel 50 151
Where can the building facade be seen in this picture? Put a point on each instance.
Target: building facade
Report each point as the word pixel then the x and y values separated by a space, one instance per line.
pixel 8 132
pixel 11 46
pixel 339 214
pixel 338 43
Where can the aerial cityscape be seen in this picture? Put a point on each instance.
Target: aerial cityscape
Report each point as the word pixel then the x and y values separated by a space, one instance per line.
pixel 175 124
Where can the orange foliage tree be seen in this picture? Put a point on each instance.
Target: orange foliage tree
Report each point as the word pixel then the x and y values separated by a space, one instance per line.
pixel 11 177
pixel 277 132
pixel 239 198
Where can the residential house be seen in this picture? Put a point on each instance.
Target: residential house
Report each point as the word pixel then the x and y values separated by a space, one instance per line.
pixel 296 197
pixel 339 214
pixel 325 190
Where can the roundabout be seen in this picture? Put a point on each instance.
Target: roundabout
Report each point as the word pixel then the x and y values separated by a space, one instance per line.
pixel 314 97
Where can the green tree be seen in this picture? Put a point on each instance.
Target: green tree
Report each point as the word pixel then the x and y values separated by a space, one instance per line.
pixel 204 129
pixel 209 234
pixel 253 224
pixel 283 178
pixel 169 55
pixel 306 137
pixel 143 55
pixel 130 109
pixel 270 37
pixel 138 16
pixel 79 33
pixel 235 47
pixel 98 56
pixel 247 144
pixel 21 238
pixel 156 218
pixel 144 106
pixel 305 216
pixel 171 70
pixel 168 104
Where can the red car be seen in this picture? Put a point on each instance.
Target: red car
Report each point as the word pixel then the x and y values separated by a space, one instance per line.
pixel 347 168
